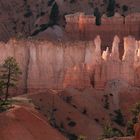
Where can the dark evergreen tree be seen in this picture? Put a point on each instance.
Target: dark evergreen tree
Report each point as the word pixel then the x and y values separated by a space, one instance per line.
pixel 28 12
pixel 54 15
pixel 125 8
pixel 50 2
pixel 111 8
pixel 119 119
pixel 10 72
pixel 97 14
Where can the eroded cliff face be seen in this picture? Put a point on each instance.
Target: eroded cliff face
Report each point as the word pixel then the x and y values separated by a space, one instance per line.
pixel 57 65
pixel 80 26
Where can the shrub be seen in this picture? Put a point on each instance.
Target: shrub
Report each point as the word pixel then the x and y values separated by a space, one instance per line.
pixel 84 111
pixel 97 120
pixel 72 136
pixel 119 119
pixel 72 123
pixel 81 138
pixel 69 99
pixel 28 12
pixel 72 1
pixel 135 112
pixel 5 105
pixel 130 130
pixel 110 132
pixel 125 8
pixel 106 102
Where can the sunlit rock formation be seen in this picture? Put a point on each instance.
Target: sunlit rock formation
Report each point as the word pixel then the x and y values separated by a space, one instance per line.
pixel 79 64
pixel 77 77
pixel 83 27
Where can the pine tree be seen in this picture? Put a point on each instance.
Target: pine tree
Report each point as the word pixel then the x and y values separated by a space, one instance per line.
pixel 54 15
pixel 9 75
pixel 111 8
pixel 97 14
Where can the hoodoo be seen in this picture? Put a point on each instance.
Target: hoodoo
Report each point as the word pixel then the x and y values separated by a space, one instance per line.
pixel 73 64
pixel 69 69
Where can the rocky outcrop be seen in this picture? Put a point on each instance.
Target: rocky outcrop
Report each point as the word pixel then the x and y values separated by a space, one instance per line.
pixel 77 77
pixel 57 65
pixel 27 16
pixel 83 27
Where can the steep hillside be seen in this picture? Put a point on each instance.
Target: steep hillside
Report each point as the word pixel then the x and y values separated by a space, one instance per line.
pixel 85 113
pixel 23 123
pixel 25 16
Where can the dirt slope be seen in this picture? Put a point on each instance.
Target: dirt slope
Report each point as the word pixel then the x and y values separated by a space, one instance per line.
pixel 23 124
pixel 66 117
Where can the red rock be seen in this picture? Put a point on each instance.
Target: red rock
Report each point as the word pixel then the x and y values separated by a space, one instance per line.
pixel 55 65
pixel 83 27
pixel 23 124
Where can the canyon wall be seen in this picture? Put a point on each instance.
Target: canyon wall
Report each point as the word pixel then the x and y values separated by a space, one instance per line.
pixel 83 27
pixel 78 64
